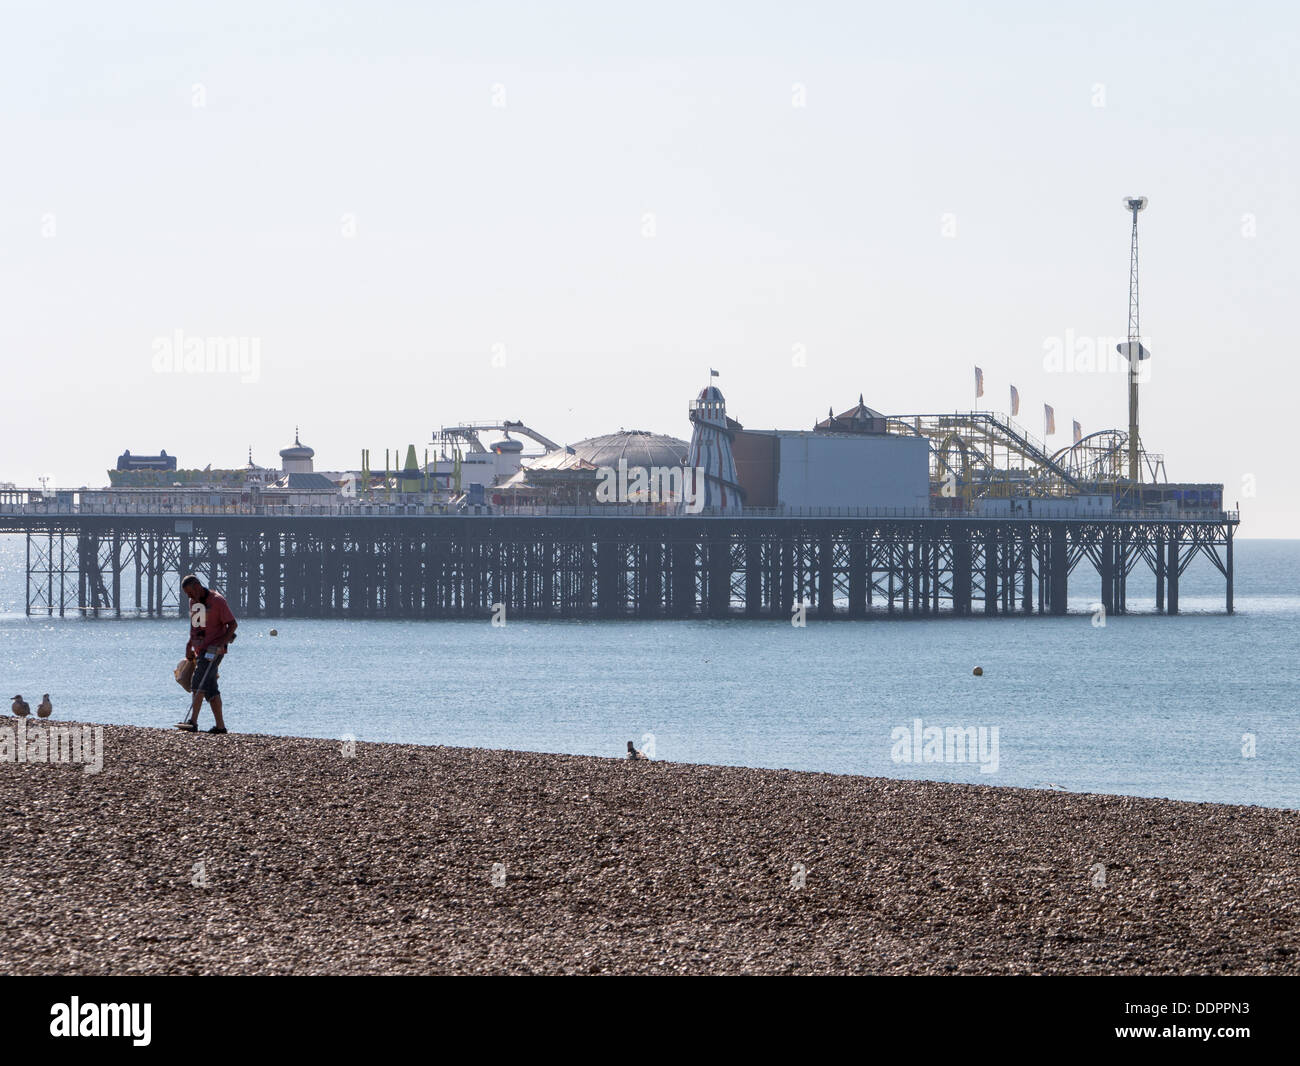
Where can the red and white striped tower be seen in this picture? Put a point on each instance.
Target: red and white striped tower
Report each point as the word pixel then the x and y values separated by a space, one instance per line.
pixel 711 449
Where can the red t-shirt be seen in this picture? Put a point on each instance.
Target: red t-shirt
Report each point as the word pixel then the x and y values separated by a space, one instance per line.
pixel 209 615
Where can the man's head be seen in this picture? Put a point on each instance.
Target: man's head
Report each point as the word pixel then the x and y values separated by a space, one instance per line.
pixel 193 587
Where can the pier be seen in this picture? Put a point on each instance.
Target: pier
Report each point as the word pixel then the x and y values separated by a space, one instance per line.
pixel 619 562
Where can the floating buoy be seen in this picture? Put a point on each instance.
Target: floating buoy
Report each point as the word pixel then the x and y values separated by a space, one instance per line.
pixel 978 671
pixel 275 632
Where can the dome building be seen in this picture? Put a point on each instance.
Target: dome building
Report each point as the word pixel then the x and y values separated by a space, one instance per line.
pixel 636 447
pixel 508 446
pixel 507 455
pixel 569 476
pixel 304 486
pixel 298 458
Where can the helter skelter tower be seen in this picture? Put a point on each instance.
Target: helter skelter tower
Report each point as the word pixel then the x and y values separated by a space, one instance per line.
pixel 711 449
pixel 1132 349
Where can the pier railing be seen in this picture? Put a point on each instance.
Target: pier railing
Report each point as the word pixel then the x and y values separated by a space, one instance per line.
pixel 1054 508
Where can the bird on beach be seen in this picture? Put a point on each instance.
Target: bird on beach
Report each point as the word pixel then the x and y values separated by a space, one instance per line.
pixel 20 707
pixel 45 708
pixel 634 753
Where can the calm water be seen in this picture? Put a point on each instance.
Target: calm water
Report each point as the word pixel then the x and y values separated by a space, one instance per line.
pixel 1147 706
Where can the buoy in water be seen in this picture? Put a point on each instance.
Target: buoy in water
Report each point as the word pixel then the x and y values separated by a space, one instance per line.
pixel 275 632
pixel 978 671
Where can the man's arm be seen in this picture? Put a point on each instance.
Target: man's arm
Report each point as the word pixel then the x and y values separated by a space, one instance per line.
pixel 221 638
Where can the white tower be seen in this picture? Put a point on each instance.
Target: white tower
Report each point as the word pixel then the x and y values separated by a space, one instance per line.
pixel 711 450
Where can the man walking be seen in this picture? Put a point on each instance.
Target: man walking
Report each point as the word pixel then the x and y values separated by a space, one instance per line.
pixel 212 627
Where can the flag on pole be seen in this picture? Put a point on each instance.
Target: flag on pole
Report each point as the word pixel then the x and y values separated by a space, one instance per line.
pixel 1049 420
pixel 712 373
pixel 979 383
pixel 1015 400
pixel 1078 432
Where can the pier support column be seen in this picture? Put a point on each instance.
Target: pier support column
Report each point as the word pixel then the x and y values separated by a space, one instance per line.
pixel 553 561
pixel 924 568
pixel 1027 547
pixel 787 576
pixel 1160 573
pixel 1228 569
pixel 117 574
pixel 234 589
pixel 857 578
pixel 607 550
pixel 891 563
pixel 683 578
pixel 83 572
pixel 991 572
pixel 905 574
pixel 871 570
pixel 1121 574
pixel 719 564
pixel 936 585
pixel 1171 568
pixel 961 570
pixel 1058 596
pixel 272 579
pixel 826 577
pixel 1108 572
pixel 753 576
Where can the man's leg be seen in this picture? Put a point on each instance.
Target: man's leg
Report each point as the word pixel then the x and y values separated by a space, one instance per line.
pixel 196 682
pixel 215 703
pixel 203 685
pixel 214 692
pixel 196 704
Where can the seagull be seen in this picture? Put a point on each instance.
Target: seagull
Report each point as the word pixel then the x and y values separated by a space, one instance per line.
pixel 634 753
pixel 20 707
pixel 1055 787
pixel 45 708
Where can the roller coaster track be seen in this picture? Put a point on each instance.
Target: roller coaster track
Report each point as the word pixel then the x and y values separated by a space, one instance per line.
pixel 470 433
pixel 978 430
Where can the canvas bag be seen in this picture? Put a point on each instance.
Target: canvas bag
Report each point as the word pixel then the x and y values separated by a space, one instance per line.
pixel 184 674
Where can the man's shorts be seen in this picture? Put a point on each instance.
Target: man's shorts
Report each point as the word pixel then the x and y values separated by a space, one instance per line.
pixel 205 676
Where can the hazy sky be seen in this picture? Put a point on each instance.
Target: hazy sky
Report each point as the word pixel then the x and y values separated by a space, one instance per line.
pixel 610 199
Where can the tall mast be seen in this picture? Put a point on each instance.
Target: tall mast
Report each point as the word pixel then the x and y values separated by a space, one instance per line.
pixel 1133 350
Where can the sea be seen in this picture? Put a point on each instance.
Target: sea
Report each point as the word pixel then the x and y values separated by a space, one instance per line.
pixel 1204 706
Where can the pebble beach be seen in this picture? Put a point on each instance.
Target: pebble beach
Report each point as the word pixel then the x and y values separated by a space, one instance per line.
pixel 244 854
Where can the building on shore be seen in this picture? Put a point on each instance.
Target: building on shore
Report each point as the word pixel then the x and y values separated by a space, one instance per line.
pixel 146 483
pixel 161 461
